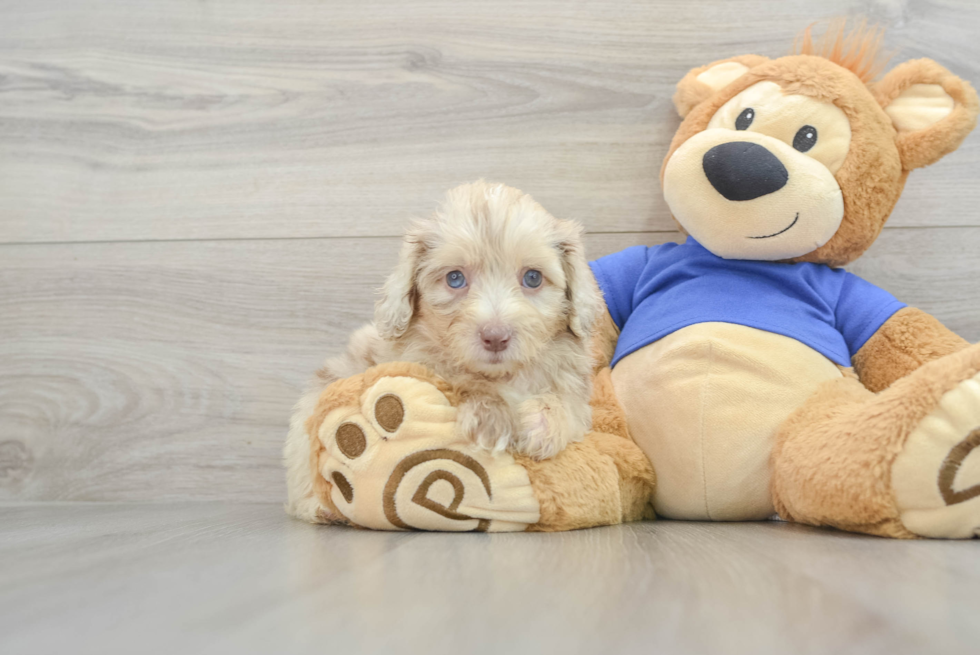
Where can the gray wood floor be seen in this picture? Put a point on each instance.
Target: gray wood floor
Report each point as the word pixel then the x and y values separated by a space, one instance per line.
pixel 243 578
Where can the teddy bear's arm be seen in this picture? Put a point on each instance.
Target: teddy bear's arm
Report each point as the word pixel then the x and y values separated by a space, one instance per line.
pixel 906 341
pixel 604 337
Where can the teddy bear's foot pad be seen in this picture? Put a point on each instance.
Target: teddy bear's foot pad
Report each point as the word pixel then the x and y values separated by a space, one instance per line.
pixel 394 463
pixel 936 477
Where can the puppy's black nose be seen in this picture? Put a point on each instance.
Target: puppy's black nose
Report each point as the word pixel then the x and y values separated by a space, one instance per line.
pixel 495 337
pixel 740 170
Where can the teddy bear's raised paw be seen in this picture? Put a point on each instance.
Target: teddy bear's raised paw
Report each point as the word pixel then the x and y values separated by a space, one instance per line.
pixel 936 477
pixel 393 461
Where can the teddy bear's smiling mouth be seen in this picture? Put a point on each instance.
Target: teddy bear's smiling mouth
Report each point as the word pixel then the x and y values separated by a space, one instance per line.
pixel 776 234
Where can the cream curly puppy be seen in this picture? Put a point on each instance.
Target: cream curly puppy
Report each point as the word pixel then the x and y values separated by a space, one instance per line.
pixel 495 295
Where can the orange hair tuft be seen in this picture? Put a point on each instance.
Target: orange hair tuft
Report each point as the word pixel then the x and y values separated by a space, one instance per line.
pixel 857 50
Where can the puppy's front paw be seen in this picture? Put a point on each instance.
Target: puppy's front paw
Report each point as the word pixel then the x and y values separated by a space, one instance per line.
pixel 487 422
pixel 546 429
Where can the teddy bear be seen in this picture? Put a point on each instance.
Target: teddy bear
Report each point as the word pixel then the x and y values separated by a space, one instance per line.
pixel 751 372
pixel 758 376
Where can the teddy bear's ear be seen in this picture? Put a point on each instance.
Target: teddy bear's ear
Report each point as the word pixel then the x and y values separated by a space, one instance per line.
pixel 932 110
pixel 701 83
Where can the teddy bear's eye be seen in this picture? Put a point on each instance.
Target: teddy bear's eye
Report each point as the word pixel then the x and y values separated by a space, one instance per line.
pixel 456 279
pixel 745 119
pixel 805 138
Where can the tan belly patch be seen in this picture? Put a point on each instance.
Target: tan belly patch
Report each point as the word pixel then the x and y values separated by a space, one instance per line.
pixel 704 404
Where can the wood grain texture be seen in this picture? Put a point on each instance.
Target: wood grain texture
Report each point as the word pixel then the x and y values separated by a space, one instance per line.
pixel 198 198
pixel 179 119
pixel 167 370
pixel 217 578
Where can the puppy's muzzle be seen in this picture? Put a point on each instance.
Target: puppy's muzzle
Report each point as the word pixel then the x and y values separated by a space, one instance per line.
pixel 740 170
pixel 495 337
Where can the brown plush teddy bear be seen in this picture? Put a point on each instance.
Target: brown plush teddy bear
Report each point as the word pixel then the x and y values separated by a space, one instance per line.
pixel 735 353
pixel 757 377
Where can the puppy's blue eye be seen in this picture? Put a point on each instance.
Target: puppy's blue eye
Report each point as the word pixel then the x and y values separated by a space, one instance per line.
pixel 456 279
pixel 533 279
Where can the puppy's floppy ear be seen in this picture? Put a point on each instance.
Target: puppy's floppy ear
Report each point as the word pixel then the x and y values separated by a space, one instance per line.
pixel 394 310
pixel 584 298
pixel 932 110
pixel 702 83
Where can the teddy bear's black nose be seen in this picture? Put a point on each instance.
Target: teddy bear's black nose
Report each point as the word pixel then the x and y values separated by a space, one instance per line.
pixel 740 170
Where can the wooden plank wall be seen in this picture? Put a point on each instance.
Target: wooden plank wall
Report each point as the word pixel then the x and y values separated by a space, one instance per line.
pixel 197 198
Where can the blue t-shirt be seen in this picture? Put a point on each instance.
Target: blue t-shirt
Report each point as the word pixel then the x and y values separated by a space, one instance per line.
pixel 654 291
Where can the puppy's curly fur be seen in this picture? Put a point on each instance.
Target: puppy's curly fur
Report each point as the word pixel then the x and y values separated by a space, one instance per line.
pixel 527 386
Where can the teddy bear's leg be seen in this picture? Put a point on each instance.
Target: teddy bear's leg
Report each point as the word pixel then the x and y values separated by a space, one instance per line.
pixel 603 480
pixel 901 463
pixel 382 453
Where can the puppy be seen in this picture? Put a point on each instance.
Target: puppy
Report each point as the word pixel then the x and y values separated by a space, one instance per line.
pixel 494 295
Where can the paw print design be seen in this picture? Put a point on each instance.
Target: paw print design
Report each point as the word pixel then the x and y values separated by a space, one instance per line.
pixel 393 462
pixel 937 476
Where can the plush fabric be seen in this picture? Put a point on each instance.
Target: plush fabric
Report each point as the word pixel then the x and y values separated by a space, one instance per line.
pixel 781 116
pixel 777 192
pixel 603 480
pixel 943 506
pixel 834 457
pixel 905 342
pixel 929 143
pixel 700 84
pixel 871 177
pixel 384 455
pixel 705 403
